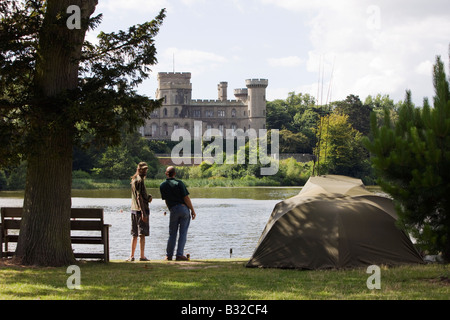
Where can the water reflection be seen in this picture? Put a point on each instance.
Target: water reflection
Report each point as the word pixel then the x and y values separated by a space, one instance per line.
pixel 255 193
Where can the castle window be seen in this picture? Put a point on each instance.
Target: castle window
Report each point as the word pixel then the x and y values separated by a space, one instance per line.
pixel 165 112
pixel 208 131
pixel 233 113
pixel 165 130
pixel 221 113
pixel 176 112
pixel 154 129
pixel 197 113
pixel 209 113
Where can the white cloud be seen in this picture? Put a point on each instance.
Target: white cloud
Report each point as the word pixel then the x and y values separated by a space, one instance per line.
pixel 194 57
pixel 380 48
pixel 192 2
pixel 190 60
pixel 134 6
pixel 291 61
pixel 424 68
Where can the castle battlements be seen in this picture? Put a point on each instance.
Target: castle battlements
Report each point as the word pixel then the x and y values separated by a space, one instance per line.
pixel 175 73
pixel 215 102
pixel 257 83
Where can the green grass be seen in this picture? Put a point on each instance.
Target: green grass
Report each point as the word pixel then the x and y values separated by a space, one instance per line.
pixel 219 280
pixel 90 183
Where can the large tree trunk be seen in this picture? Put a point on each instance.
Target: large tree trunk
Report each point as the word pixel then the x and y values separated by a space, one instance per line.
pixel 45 228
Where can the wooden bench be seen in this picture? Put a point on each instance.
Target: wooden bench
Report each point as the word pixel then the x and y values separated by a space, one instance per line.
pixel 84 222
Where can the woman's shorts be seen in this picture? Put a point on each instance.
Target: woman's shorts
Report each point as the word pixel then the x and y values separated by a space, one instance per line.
pixel 138 226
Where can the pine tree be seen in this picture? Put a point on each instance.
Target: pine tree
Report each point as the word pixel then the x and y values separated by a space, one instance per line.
pixel 412 160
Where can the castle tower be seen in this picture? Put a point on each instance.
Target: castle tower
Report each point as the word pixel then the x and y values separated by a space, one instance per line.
pixel 241 94
pixel 222 88
pixel 256 101
pixel 175 88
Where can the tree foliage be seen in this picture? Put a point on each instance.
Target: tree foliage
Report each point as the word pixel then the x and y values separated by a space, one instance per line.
pixel 103 100
pixel 357 112
pixel 118 162
pixel 412 158
pixel 339 149
pixel 55 87
pixel 296 118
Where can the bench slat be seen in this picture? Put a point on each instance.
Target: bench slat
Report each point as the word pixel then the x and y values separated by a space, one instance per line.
pixel 88 255
pixel 90 213
pixel 11 238
pixel 86 240
pixel 93 213
pixel 85 225
pixel 11 212
pixel 11 224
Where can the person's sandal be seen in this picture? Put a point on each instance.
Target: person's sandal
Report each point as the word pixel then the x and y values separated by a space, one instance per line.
pixel 143 259
pixel 130 259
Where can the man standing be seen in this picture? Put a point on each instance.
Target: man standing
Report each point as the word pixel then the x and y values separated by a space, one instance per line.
pixel 177 199
pixel 140 210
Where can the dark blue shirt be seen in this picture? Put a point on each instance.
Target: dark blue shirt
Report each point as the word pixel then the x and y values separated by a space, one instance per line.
pixel 173 191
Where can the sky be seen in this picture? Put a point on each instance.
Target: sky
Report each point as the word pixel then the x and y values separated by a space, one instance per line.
pixel 328 49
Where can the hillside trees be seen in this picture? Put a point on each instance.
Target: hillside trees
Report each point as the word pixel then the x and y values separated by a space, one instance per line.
pixel 340 150
pixel 54 88
pixel 296 118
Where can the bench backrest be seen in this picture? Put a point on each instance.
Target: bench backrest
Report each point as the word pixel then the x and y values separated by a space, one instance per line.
pixel 80 218
pixel 10 218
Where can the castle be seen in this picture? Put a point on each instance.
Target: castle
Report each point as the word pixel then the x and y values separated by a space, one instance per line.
pixel 179 110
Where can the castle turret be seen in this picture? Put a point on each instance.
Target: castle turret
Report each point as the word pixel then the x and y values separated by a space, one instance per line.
pixel 175 88
pixel 222 88
pixel 241 94
pixel 257 102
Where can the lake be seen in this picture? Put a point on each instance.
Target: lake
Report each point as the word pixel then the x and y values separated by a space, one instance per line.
pixel 227 218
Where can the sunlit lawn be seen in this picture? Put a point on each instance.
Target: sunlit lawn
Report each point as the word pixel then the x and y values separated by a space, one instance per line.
pixel 220 280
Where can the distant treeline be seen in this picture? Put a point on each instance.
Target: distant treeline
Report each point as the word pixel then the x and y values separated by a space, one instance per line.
pixel 333 133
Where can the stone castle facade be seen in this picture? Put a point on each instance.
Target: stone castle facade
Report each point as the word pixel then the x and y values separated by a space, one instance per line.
pixel 179 110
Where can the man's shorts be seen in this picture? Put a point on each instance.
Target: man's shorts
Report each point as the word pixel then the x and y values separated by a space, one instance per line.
pixel 138 226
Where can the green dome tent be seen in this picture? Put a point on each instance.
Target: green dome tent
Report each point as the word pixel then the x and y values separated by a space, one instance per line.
pixel 334 222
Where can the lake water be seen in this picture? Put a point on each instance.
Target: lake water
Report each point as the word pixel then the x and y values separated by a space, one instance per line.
pixel 227 218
